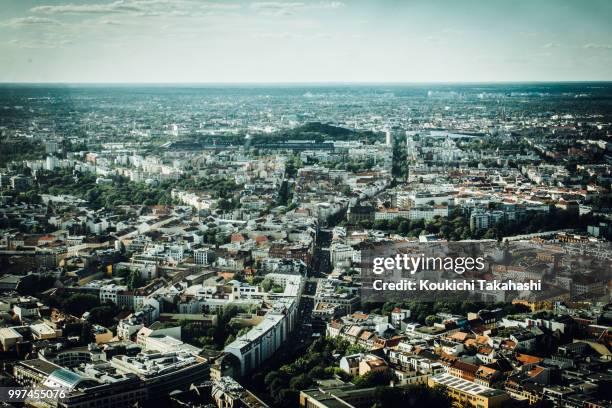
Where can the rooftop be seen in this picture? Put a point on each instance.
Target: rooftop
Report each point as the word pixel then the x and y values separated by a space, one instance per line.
pixel 465 386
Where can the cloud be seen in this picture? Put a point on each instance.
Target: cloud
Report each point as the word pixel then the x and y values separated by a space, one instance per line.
pixel 551 45
pixel 39 43
pixel 292 36
pixel 275 36
pixel 452 31
pixel 138 7
pixel 322 36
pixel 516 60
pixel 105 8
pixel 30 22
pixel 110 22
pixel 276 8
pixel 596 46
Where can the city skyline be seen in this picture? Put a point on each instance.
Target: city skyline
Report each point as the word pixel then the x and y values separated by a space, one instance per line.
pixel 251 42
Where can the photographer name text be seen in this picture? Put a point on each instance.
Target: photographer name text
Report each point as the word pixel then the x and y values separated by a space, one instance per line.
pixel 456 285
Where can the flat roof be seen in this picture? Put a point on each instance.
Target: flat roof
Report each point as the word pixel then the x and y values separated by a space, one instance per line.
pixel 9 333
pixel 10 278
pixel 40 365
pixel 468 387
pixel 42 328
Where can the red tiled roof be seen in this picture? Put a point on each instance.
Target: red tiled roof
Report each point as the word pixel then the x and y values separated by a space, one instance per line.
pixel 527 359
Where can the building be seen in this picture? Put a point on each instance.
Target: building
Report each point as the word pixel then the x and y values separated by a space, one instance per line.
pixel 228 393
pixel 26 310
pixel 9 337
pixel 358 213
pixel 350 364
pixel 15 282
pixel 110 293
pixel 119 375
pixel 371 363
pixel 128 327
pixel 42 331
pixel 481 220
pixel 203 256
pixel 259 343
pixel 398 315
pixel 83 393
pixel 340 252
pixel 33 372
pixel 19 182
pixel 468 393
pixel 343 396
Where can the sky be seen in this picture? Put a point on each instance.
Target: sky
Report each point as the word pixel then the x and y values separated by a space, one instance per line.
pixel 189 41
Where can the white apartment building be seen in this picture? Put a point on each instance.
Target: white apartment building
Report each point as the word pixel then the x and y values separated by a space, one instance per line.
pixel 203 256
pixel 260 343
pixel 340 252
pixel 110 292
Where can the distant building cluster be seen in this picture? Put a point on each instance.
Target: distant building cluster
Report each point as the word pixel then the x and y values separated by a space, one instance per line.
pixel 171 246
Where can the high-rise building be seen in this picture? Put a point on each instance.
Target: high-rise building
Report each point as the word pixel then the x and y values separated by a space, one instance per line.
pixel 51 163
pixel 51 147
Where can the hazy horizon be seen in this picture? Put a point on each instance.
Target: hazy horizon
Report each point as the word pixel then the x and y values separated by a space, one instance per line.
pixel 311 84
pixel 318 83
pixel 297 42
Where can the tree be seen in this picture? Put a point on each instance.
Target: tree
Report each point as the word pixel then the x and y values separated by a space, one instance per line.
pixel 300 382
pixel 270 377
pixel 133 280
pixel 86 336
pixel 229 339
pixel 374 378
pixel 431 319
pixel 221 239
pixel 79 303
pixel 104 314
pixel 283 193
pixel 287 398
pixel 266 284
pixel 491 233
pixel 387 397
